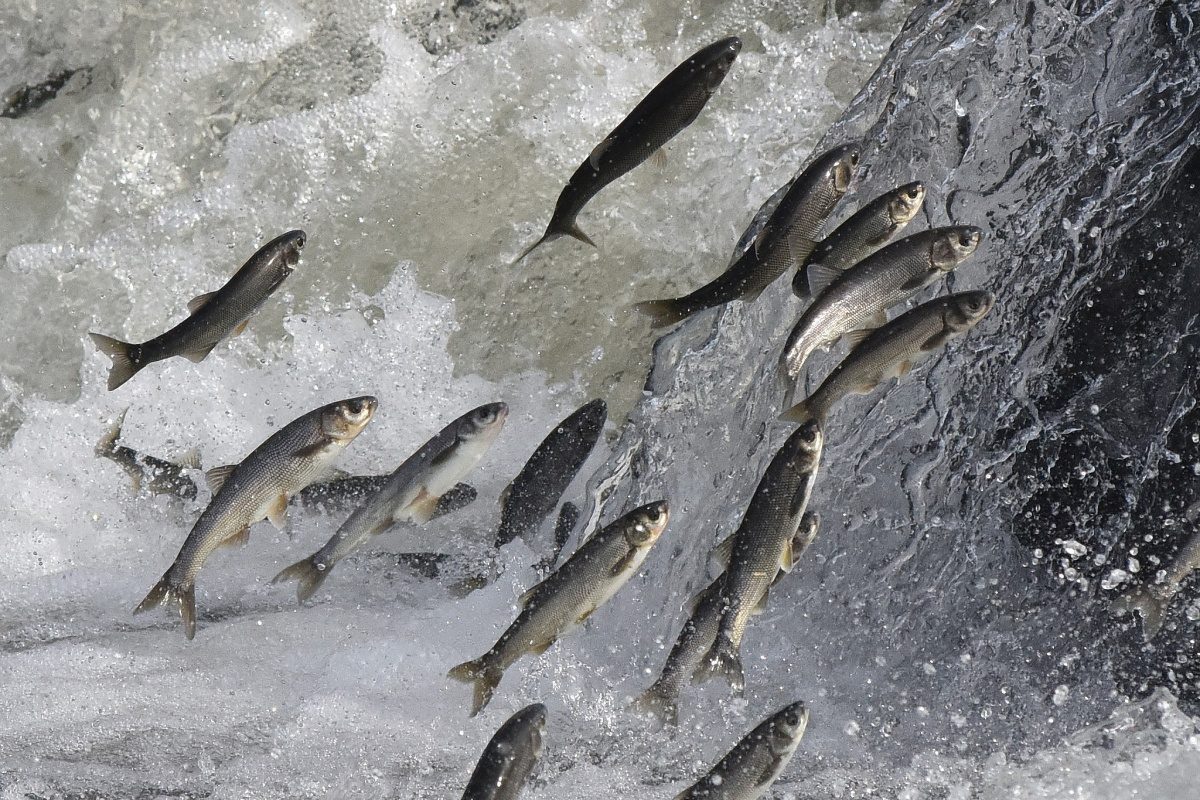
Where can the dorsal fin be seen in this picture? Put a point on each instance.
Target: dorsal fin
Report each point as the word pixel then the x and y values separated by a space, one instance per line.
pixel 527 595
pixel 199 301
pixel 819 278
pixel 189 459
pixel 216 477
pixel 598 153
pixel 723 552
pixel 785 558
pixel 855 338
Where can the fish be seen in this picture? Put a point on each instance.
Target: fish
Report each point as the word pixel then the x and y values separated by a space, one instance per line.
pixel 761 546
pixel 857 299
pixel 411 493
pixel 509 757
pixel 891 351
pixel 1153 600
pixel 587 580
pixel 534 493
pixel 346 494
pixel 155 474
pixel 700 631
pixel 670 107
pixel 211 317
pixel 785 241
pixel 749 769
pixel 871 227
pixel 258 488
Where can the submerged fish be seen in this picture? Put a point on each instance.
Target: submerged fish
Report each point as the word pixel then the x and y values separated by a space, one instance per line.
pixel 700 631
pixel 509 757
pixel 346 494
pixel 258 488
pixel 213 316
pixel 858 299
pixel 761 546
pixel 156 474
pixel 588 579
pixel 749 769
pixel 1152 600
pixel 670 107
pixel 891 351
pixel 873 226
pixel 536 490
pixel 785 241
pixel 411 493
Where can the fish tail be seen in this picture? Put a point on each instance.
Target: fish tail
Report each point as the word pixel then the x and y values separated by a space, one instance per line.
pixel 571 228
pixel 309 574
pixel 105 445
pixel 661 312
pixel 799 413
pixel 124 366
pixel 723 661
pixel 485 678
pixel 182 597
pixel 660 702
pixel 1153 609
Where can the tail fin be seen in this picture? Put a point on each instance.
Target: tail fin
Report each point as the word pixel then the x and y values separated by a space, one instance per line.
pixel 123 366
pixel 1153 609
pixel 661 312
pixel 798 413
pixel 485 678
pixel 182 597
pixel 310 575
pixel 659 702
pixel 105 445
pixel 555 230
pixel 723 660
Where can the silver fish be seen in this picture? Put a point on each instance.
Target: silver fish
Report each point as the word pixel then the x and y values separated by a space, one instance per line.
pixel 411 493
pixel 156 474
pixel 670 107
pixel 700 631
pixel 213 316
pixel 785 241
pixel 258 488
pixel 891 351
pixel 588 579
pixel 871 227
pixel 1153 600
pixel 509 757
pixel 858 298
pixel 749 769
pixel 536 490
pixel 348 493
pixel 762 546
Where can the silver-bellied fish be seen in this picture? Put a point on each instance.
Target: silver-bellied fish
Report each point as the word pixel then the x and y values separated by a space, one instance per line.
pixel 588 579
pixel 785 241
pixel 749 769
pixel 670 107
pixel 858 298
pixel 536 490
pixel 258 488
pixel 762 545
pixel 700 631
pixel 1153 600
pixel 411 493
pixel 213 316
pixel 870 228
pixel 509 757
pixel 891 351
pixel 155 474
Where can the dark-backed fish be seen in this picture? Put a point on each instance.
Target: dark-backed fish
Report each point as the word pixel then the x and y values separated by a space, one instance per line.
pixel 534 493
pixel 762 545
pixel 411 493
pixel 891 351
pixel 258 488
pixel 858 298
pixel 749 769
pixel 1153 600
pixel 588 579
pixel 785 241
pixel 509 757
pixel 670 107
pixel 213 316
pixel 156 474
pixel 871 227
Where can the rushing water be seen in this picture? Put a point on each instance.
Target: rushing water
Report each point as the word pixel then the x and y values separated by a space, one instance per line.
pixel 948 641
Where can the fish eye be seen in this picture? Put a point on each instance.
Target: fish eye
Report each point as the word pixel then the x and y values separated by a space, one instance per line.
pixel 486 416
pixel 355 406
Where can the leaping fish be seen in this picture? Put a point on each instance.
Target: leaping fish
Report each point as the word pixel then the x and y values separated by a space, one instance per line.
pixel 258 488
pixel 509 757
pixel 670 107
pixel 213 316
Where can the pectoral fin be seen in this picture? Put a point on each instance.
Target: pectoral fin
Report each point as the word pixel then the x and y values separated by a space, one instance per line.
pixel 421 509
pixel 308 451
pixel 277 513
pixel 937 340
pixel 625 563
